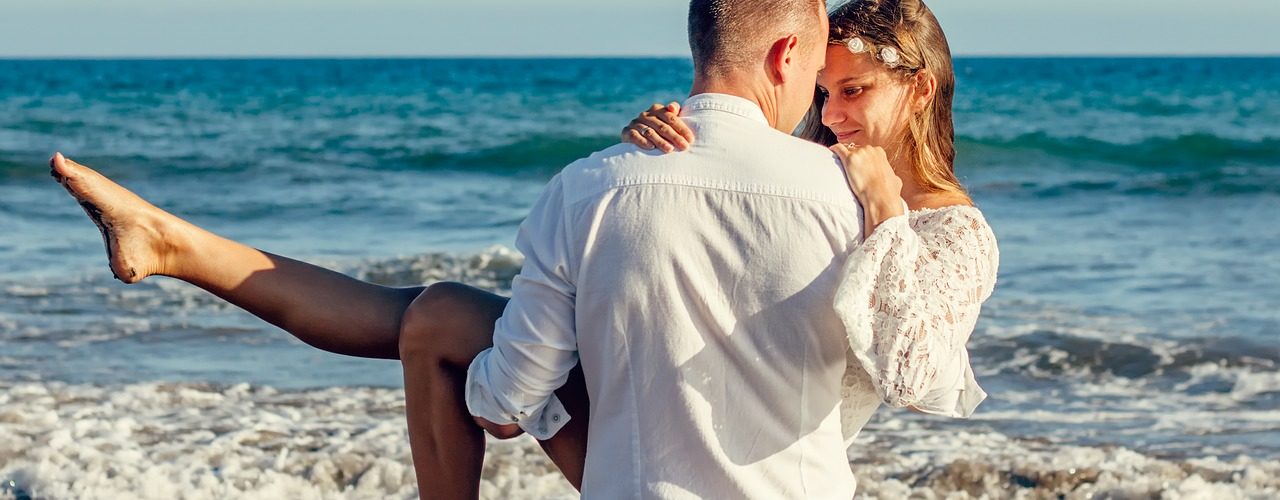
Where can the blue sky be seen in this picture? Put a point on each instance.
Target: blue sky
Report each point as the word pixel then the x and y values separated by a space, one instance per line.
pixel 152 28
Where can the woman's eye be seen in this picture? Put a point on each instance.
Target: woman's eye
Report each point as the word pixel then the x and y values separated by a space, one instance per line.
pixel 852 91
pixel 823 92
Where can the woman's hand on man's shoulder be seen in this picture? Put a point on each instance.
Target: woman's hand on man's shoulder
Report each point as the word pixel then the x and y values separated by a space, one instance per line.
pixel 659 127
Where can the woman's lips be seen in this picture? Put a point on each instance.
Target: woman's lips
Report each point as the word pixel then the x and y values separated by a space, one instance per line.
pixel 845 136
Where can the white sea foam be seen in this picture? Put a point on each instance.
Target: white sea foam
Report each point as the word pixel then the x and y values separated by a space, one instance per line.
pixel 196 441
pixel 170 441
pixel 491 268
pixel 1251 384
pixel 26 291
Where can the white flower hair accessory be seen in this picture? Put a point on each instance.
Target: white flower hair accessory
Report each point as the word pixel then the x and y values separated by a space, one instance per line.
pixel 856 45
pixel 887 55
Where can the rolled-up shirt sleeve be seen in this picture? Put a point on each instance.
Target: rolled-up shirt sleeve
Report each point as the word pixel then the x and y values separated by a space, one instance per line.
pixel 535 341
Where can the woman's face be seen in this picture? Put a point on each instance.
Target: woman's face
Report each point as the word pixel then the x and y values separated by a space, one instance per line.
pixel 867 103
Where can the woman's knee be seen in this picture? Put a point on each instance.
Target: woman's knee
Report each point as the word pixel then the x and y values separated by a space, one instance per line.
pixel 444 323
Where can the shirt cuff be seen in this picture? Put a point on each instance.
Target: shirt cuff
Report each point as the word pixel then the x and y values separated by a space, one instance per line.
pixel 958 399
pixel 542 421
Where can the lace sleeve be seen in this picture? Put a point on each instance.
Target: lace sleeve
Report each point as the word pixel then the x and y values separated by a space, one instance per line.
pixel 909 299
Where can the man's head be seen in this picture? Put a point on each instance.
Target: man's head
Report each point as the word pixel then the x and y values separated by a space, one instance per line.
pixel 774 47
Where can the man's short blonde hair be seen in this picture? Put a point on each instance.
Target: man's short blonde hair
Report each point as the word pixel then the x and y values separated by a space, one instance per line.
pixel 732 35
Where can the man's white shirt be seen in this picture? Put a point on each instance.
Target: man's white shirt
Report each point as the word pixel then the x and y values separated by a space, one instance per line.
pixel 696 288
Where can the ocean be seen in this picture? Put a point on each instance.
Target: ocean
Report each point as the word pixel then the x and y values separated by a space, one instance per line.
pixel 1130 349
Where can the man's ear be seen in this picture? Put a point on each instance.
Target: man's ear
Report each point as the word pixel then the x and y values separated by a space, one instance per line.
pixel 925 85
pixel 782 58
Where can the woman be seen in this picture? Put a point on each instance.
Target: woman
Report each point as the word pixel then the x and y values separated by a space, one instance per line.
pixel 883 106
pixel 436 331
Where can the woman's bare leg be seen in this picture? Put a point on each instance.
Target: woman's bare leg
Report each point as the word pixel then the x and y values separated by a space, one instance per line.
pixel 439 333
pixel 443 331
pixel 323 308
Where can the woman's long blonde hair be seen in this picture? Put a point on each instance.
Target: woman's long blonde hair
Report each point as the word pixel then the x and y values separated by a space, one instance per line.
pixel 909 27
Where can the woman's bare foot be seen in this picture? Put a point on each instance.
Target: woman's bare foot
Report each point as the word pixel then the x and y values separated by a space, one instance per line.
pixel 139 237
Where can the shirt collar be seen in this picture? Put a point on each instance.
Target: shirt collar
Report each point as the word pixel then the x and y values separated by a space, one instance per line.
pixel 727 103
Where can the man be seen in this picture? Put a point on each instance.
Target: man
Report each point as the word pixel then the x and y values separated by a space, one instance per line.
pixel 695 288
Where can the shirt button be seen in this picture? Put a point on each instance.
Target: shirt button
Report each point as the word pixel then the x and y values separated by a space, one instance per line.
pixel 555 418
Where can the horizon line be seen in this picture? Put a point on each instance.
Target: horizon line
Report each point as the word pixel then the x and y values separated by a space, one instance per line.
pixel 6 57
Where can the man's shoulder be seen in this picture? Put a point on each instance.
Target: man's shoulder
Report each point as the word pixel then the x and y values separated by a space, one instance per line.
pixel 764 145
pixel 803 148
pixel 595 172
pixel 612 154
pixel 722 155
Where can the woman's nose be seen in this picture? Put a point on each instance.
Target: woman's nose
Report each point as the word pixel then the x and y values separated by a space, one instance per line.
pixel 831 115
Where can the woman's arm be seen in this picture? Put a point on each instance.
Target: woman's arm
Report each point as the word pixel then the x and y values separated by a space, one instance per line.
pixel 873 182
pixel 910 298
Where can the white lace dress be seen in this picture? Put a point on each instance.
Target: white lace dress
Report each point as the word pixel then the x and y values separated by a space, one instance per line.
pixel 910 298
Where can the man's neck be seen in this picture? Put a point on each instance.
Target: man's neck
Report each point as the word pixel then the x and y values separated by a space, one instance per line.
pixel 743 89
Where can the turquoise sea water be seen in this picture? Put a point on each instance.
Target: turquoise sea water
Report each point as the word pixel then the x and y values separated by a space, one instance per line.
pixel 1134 200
